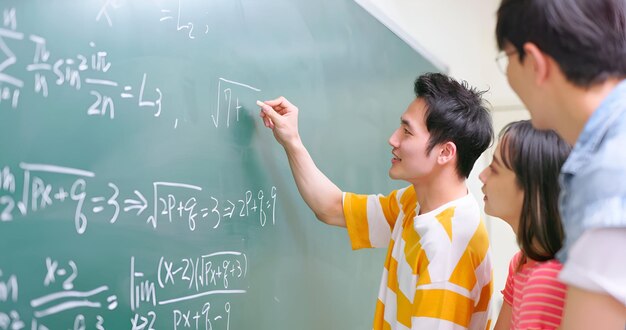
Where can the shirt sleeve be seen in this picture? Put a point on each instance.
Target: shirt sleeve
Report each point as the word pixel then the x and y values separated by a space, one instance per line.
pixel 584 269
pixel 544 298
pixel 370 218
pixel 509 287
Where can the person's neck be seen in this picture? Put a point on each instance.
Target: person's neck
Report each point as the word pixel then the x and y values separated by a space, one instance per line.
pixel 434 193
pixel 579 104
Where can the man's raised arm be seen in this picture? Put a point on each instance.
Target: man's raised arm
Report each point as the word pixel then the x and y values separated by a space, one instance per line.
pixel 320 194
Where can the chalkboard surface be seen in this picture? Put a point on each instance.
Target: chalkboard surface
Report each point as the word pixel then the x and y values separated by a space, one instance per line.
pixel 140 190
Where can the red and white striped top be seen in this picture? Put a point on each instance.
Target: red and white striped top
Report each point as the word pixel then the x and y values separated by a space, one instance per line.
pixel 535 294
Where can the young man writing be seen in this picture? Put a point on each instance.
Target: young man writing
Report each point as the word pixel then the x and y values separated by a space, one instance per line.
pixel 438 269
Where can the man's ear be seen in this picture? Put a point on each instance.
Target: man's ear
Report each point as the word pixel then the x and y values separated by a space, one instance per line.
pixel 447 153
pixel 539 62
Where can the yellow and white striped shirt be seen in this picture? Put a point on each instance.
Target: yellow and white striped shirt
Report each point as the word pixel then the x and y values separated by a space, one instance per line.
pixel 438 269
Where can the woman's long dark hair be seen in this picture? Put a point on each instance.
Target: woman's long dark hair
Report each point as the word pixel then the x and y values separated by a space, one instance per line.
pixel 536 157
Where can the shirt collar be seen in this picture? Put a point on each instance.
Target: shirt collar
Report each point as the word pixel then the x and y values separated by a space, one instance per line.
pixel 596 127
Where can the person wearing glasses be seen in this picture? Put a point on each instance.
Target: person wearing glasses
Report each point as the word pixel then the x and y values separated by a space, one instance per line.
pixel 521 188
pixel 437 274
pixel 566 60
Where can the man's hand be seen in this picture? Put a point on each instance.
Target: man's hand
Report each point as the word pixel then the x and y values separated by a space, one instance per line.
pixel 282 117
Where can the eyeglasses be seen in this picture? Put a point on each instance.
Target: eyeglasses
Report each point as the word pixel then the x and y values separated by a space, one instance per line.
pixel 502 60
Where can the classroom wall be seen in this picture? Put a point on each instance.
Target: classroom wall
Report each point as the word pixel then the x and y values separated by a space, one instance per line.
pixel 460 35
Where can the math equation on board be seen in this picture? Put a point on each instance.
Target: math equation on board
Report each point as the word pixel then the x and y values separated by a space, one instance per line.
pixel 90 72
pixel 185 204
pixel 192 278
pixel 198 290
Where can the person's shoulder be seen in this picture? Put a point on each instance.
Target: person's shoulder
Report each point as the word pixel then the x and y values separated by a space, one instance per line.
pixel 603 168
pixel 549 265
pixel 466 206
pixel 545 274
pixel 467 215
pixel 613 141
pixel 515 260
pixel 609 141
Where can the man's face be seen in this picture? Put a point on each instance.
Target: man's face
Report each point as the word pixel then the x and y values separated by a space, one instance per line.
pixel 522 77
pixel 410 161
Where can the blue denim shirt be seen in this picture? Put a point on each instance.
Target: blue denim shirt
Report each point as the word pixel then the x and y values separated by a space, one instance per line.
pixel 593 179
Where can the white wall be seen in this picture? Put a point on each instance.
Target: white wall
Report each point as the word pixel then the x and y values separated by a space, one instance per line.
pixel 460 34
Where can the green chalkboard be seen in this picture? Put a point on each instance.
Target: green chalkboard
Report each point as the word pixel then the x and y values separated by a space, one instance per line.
pixel 138 186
